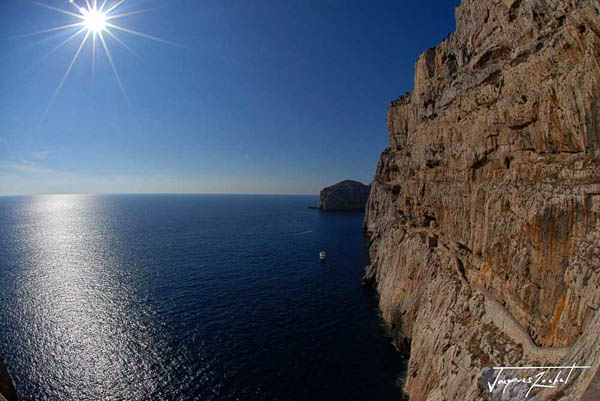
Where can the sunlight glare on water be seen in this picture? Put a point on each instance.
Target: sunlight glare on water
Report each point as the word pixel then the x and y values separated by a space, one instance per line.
pixel 88 324
pixel 188 297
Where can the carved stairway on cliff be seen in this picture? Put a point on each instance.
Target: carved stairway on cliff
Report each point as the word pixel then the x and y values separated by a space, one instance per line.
pixel 496 154
pixel 495 311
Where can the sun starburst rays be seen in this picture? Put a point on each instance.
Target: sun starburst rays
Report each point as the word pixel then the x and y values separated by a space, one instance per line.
pixel 112 64
pixel 119 41
pixel 64 78
pixel 93 22
pixel 64 42
pixel 49 30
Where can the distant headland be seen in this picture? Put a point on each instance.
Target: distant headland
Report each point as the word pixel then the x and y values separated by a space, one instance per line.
pixel 347 195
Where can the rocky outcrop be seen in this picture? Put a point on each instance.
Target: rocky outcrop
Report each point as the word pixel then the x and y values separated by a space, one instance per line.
pixel 344 196
pixel 484 212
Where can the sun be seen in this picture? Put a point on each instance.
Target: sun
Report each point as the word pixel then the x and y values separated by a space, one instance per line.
pixel 93 20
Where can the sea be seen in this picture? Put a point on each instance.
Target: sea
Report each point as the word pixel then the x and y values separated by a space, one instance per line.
pixel 189 297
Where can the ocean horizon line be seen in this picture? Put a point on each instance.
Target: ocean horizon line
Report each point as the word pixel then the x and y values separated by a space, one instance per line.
pixel 156 193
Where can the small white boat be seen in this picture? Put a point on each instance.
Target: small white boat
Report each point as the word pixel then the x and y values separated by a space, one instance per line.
pixel 322 255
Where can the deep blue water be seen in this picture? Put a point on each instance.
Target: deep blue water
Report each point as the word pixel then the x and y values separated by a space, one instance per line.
pixel 188 297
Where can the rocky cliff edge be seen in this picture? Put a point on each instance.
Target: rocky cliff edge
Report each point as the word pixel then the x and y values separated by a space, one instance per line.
pixel 484 212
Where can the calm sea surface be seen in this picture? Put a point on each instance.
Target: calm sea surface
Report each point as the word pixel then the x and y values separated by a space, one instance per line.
pixel 199 297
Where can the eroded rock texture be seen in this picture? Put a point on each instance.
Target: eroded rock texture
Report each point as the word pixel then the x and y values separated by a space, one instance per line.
pixel 484 212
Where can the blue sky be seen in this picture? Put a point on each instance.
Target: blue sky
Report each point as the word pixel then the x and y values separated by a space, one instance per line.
pixel 261 96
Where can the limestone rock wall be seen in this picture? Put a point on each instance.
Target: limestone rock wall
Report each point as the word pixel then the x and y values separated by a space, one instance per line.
pixel 484 214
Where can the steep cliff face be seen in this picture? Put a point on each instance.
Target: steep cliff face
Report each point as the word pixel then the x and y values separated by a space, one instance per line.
pixel 484 212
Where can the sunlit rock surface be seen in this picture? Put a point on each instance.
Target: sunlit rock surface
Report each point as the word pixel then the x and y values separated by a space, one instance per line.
pixel 484 212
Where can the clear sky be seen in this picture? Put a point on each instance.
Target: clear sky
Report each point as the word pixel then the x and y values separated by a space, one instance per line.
pixel 262 96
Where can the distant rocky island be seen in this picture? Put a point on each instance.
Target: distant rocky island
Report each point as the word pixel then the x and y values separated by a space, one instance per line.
pixel 347 195
pixel 484 216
